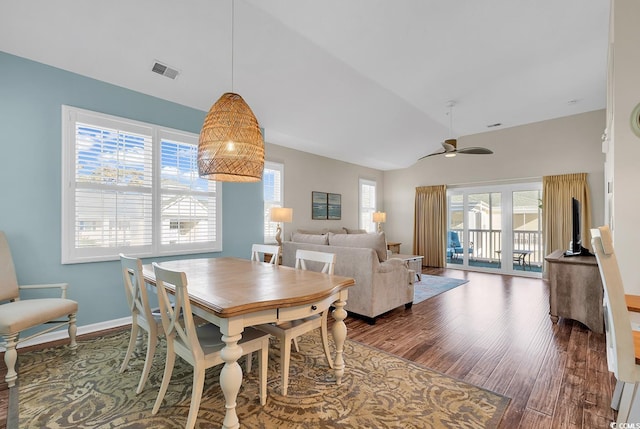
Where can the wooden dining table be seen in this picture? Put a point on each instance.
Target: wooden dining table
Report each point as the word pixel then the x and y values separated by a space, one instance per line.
pixel 234 293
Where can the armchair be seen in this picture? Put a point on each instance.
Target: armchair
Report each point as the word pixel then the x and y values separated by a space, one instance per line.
pixel 18 315
pixel 454 248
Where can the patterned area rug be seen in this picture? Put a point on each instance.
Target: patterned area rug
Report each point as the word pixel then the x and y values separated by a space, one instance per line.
pixel 379 390
pixel 430 286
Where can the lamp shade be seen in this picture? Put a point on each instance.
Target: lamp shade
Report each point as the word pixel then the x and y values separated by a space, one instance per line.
pixel 379 217
pixel 281 214
pixel 231 147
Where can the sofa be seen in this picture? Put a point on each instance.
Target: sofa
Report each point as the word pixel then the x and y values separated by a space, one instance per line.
pixel 382 283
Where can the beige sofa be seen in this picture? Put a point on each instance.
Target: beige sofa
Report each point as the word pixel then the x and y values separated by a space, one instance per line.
pixel 382 284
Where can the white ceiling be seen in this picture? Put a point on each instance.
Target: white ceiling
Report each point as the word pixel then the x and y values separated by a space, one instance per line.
pixel 363 81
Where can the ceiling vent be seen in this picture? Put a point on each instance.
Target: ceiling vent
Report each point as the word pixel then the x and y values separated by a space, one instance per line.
pixel 164 70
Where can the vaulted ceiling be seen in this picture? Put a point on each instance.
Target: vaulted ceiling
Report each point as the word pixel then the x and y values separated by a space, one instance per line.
pixel 363 81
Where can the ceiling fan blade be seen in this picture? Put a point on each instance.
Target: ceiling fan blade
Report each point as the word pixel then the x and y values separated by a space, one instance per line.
pixel 475 151
pixel 431 154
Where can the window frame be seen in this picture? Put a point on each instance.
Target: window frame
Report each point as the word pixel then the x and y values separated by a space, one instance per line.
pixel 70 254
pixel 267 224
pixel 362 224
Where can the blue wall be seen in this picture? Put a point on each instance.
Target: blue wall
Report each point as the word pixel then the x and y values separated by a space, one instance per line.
pixel 30 179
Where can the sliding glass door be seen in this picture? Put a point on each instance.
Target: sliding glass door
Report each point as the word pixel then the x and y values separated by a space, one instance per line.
pixel 495 228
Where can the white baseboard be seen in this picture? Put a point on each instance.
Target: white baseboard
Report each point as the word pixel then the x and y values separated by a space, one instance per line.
pixel 62 333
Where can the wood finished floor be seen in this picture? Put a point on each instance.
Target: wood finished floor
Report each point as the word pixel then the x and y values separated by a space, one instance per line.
pixel 495 332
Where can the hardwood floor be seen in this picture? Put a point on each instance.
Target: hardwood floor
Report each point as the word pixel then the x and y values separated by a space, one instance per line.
pixel 495 332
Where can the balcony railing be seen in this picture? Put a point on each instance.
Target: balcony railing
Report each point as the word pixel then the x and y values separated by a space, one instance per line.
pixel 487 244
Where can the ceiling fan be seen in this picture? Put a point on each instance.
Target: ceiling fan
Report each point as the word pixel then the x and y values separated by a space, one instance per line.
pixel 450 145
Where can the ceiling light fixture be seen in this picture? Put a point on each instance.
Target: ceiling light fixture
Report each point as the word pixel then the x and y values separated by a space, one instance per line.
pixel 231 147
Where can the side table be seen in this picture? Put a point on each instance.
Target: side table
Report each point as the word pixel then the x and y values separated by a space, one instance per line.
pixel 268 256
pixel 394 247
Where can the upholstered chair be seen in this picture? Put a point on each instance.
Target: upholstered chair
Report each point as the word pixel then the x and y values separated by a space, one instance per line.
pixel 17 315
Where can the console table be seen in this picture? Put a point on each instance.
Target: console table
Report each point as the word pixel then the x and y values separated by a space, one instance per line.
pixel 575 290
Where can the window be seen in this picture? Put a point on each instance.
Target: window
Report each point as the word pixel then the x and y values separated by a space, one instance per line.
pixel 134 188
pixel 496 228
pixel 367 204
pixel 272 180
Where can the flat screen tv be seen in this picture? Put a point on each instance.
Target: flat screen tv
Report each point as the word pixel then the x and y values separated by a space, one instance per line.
pixel 575 246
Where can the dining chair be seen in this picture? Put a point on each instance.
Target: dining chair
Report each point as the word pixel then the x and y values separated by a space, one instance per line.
pixel 142 316
pixel 288 331
pixel 200 346
pixel 18 315
pixel 622 343
pixel 261 249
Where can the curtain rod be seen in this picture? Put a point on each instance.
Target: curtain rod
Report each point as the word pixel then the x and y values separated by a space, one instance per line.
pixel 495 182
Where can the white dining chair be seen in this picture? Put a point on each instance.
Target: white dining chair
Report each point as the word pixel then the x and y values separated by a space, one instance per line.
pixel 198 345
pixel 287 332
pixel 142 316
pixel 17 315
pixel 621 340
pixel 258 250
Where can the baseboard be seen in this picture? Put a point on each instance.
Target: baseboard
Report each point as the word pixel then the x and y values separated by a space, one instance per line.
pixel 82 330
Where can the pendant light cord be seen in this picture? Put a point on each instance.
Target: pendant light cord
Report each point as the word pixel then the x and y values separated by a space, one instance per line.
pixel 233 3
pixel 451 120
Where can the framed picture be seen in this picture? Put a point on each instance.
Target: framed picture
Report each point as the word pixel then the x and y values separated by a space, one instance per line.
pixel 319 205
pixel 334 206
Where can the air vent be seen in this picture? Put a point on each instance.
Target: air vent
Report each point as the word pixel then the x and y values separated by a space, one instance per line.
pixel 164 70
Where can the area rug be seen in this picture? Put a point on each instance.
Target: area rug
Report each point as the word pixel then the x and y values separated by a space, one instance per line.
pixel 379 390
pixel 430 286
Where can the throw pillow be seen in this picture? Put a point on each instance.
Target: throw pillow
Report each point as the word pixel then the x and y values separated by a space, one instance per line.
pixel 310 238
pixel 375 241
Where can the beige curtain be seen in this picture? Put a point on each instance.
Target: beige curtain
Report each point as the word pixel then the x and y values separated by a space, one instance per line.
pixel 556 210
pixel 430 225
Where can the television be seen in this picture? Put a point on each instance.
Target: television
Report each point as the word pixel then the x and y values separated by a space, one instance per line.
pixel 575 245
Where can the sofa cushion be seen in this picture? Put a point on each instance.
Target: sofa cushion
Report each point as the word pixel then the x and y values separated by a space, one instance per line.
pixel 355 231
pixel 310 238
pixel 375 241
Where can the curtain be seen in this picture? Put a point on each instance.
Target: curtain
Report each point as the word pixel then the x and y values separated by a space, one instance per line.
pixel 556 209
pixel 430 225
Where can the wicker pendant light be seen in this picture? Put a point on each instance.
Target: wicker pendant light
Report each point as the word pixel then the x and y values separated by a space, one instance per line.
pixel 231 148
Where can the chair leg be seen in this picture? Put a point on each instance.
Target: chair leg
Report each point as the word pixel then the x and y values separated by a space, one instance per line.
pixel 249 358
pixel 148 360
pixel 10 357
pixel 634 410
pixel 132 343
pixel 285 355
pixel 617 394
pixel 263 369
pixel 166 377
pixel 196 395
pixel 73 329
pixel 325 339
pixel 628 392
pixel 295 344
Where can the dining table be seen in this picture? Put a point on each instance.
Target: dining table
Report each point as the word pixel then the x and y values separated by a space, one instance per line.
pixel 235 293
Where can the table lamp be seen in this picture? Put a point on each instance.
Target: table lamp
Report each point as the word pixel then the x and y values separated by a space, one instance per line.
pixel 280 215
pixel 379 218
